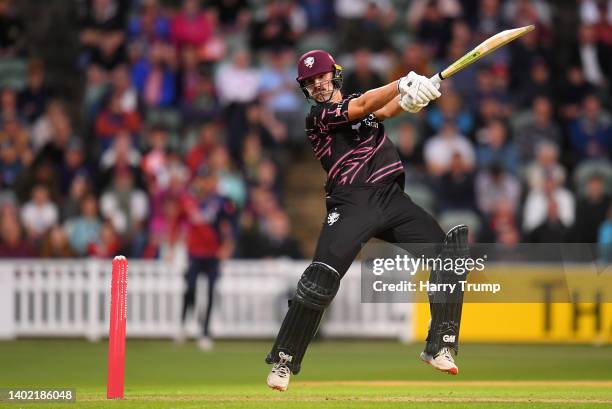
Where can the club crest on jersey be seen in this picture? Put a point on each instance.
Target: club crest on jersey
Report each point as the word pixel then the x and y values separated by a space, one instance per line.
pixel 333 217
pixel 309 62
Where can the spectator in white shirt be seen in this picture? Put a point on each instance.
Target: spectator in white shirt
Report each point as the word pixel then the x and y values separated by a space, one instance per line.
pixel 40 213
pixel 439 150
pixel 237 81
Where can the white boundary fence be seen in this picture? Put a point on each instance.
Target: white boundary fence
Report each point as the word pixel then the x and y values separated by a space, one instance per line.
pixel 45 298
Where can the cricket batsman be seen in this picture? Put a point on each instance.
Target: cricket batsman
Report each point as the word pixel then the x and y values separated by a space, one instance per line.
pixel 364 199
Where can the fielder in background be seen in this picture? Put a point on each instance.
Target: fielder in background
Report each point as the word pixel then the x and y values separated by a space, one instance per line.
pixel 364 198
pixel 210 238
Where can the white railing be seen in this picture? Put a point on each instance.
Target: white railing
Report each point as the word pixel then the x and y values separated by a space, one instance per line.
pixel 43 298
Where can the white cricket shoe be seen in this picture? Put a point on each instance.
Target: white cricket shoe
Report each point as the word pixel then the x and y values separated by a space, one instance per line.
pixel 205 343
pixel 278 378
pixel 443 361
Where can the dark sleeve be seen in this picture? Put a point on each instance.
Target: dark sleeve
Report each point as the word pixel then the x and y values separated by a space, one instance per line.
pixel 329 115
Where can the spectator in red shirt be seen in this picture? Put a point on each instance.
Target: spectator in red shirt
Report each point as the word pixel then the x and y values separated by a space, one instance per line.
pixel 113 119
pixel 191 26
pixel 208 139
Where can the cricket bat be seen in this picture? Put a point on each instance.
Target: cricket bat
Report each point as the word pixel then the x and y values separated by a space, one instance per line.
pixel 486 47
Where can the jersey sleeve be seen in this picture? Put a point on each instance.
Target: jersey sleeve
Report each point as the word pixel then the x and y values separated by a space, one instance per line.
pixel 329 115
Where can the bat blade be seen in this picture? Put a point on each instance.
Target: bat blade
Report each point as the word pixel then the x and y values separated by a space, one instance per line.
pixel 486 47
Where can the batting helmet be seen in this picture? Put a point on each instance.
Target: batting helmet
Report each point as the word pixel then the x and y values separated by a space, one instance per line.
pixel 318 62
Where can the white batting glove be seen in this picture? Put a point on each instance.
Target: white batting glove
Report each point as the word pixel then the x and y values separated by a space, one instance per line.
pixel 418 88
pixel 408 105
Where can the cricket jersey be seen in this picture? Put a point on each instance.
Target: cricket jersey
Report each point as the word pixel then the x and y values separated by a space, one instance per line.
pixel 353 153
pixel 205 218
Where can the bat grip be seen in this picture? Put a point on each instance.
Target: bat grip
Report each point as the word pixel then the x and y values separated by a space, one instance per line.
pixel 436 79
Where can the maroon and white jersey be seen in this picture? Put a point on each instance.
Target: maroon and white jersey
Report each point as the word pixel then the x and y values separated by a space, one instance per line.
pixel 356 153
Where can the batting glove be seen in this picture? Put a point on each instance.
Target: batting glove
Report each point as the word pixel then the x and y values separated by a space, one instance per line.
pixel 419 89
pixel 408 105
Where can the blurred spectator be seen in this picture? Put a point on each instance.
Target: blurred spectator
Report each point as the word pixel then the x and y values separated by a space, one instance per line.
pixel 74 164
pixel 272 30
pixel 80 187
pixel 575 90
pixel 10 165
pixel 44 127
pixel 54 150
pixel 263 122
pixel 546 165
pixel 501 225
pixel 11 31
pixel 122 152
pixel 538 206
pixel 102 34
pixel 125 90
pixel 552 229
pixel 539 84
pixel 456 186
pixel 279 95
pixel 9 110
pixel 32 100
pixel 13 244
pixel 362 78
pixel 198 96
pixel 413 58
pixel 149 25
pixel 208 140
pixel 488 21
pixel 320 14
pixel 495 185
pixel 591 211
pixel 232 15
pixel 230 182
pixel 591 131
pixel 433 29
pixel 592 56
pixel 440 149
pixel 55 244
pixel 191 26
pixel 275 242
pixel 108 245
pixel 40 213
pixel 496 147
pixel 524 53
pixel 537 11
pixel 237 81
pixel 156 76
pixel 113 120
pixel 369 30
pixel 449 109
pixel 410 149
pixel 539 126
pixel 127 208
pixel 84 230
pixel 448 9
pixel 154 163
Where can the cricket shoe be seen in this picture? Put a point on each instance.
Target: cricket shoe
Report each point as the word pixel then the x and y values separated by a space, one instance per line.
pixel 279 375
pixel 443 361
pixel 205 343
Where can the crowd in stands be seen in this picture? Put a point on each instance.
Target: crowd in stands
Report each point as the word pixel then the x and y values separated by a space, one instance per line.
pixel 519 146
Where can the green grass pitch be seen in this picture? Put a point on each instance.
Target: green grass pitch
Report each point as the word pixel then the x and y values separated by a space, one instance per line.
pixel 376 374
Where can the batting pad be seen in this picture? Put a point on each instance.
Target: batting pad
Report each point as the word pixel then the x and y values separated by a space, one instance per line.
pixel 315 291
pixel 445 306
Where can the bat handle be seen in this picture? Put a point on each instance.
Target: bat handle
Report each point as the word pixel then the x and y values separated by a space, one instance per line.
pixel 437 78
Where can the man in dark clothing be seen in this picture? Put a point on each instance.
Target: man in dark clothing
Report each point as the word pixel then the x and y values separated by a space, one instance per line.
pixel 364 199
